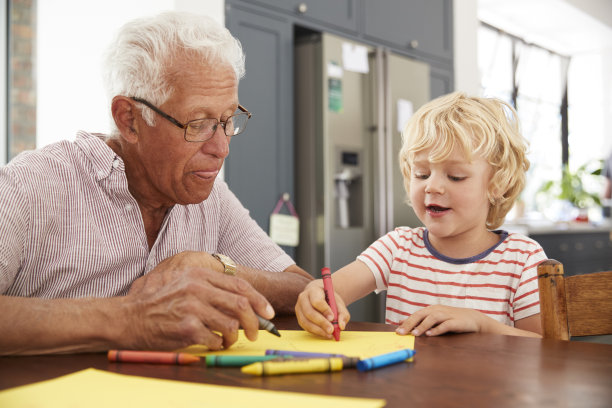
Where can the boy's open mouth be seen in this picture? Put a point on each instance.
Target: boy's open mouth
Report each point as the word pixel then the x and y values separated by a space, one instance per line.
pixel 436 208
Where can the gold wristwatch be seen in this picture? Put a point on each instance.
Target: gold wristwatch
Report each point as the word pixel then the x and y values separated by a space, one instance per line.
pixel 229 266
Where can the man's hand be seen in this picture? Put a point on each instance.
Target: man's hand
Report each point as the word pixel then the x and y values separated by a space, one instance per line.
pixel 314 314
pixel 184 301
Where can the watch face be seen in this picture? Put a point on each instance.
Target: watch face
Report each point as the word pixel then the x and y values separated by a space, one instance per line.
pixel 229 266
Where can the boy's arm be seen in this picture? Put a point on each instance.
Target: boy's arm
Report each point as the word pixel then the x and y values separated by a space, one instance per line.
pixel 351 283
pixel 437 319
pixel 531 324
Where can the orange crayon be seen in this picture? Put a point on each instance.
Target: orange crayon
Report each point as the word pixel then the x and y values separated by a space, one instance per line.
pixel 151 357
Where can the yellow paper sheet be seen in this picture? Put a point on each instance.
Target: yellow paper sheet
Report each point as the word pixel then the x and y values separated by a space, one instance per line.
pixel 95 388
pixel 362 344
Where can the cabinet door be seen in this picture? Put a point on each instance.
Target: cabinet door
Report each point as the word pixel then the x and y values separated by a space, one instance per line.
pixel 259 168
pixel 338 13
pixel 422 27
pixel 441 82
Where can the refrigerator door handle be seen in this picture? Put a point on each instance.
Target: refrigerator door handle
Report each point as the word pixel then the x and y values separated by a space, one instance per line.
pixel 381 173
pixel 388 135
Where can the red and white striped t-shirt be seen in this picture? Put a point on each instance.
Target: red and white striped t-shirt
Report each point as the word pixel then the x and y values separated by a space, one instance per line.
pixel 69 226
pixel 500 282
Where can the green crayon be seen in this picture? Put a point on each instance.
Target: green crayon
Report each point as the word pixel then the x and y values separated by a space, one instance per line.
pixel 238 361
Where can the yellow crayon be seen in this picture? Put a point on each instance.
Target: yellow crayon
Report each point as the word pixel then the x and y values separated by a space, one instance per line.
pixel 312 365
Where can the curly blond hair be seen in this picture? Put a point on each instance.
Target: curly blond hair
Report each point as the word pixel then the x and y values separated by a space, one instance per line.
pixel 485 127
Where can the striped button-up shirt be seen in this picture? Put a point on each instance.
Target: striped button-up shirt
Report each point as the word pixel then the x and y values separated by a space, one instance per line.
pixel 69 226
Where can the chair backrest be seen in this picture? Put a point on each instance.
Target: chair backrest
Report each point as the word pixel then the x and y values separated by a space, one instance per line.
pixel 579 305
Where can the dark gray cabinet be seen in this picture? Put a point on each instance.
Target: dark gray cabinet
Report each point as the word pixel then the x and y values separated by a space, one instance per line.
pixel 440 81
pixel 579 251
pixel 420 27
pixel 259 167
pixel 341 14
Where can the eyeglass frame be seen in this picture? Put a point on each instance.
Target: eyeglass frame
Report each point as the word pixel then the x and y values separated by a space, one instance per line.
pixel 185 125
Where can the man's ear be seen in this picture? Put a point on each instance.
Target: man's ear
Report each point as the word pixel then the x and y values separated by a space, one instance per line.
pixel 124 114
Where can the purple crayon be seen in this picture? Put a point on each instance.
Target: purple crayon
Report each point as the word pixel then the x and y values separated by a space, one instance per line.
pixel 303 354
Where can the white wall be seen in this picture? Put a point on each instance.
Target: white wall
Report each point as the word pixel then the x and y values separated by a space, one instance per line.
pixel 71 36
pixel 465 21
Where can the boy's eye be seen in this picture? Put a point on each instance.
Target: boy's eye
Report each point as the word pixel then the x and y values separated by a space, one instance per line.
pixel 457 178
pixel 421 176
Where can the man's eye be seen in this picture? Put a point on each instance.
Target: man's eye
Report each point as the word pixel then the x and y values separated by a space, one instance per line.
pixel 197 125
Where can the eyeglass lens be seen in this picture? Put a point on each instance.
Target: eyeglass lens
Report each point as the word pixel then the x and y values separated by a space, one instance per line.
pixel 203 129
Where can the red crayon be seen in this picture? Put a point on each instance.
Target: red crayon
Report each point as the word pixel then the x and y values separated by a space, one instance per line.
pixel 328 287
pixel 151 357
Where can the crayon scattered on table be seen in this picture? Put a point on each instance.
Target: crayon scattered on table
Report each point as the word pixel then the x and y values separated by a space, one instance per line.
pixel 239 361
pixel 151 357
pixel 313 365
pixel 307 354
pixel 384 359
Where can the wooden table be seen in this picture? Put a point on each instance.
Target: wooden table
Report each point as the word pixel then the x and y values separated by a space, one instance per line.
pixel 462 370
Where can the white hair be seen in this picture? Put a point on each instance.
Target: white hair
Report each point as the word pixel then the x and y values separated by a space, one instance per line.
pixel 137 61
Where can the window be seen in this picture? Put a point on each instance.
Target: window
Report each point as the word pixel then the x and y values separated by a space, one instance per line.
pixel 533 80
pixel 54 79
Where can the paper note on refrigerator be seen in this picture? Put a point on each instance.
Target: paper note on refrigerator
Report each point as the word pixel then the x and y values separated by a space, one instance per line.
pixel 355 58
pixel 405 110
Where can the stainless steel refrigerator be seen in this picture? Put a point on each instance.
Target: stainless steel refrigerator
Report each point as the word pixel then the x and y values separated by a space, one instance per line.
pixel 351 102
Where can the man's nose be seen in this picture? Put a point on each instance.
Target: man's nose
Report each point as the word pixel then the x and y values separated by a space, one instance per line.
pixel 218 144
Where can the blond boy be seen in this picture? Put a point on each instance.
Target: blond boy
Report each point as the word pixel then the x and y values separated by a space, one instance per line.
pixel 463 161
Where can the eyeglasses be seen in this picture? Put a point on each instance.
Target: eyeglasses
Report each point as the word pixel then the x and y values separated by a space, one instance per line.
pixel 201 130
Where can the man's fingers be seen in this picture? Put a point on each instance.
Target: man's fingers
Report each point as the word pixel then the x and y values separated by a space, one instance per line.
pixel 257 302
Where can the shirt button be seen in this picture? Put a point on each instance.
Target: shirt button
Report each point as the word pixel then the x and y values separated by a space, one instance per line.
pixel 115 163
pixel 100 174
pixel 128 207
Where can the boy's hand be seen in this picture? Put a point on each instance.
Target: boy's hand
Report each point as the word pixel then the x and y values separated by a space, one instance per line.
pixel 437 319
pixel 314 314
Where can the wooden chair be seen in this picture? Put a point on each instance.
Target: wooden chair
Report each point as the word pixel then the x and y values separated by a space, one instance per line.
pixel 579 305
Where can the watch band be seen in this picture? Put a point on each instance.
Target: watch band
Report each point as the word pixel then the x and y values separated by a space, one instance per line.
pixel 229 266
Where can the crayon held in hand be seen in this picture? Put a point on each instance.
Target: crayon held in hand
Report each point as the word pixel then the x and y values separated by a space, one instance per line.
pixel 328 287
pixel 267 325
pixel 151 357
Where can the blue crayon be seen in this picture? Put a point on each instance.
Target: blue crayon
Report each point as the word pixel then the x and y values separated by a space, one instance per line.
pixel 305 354
pixel 384 360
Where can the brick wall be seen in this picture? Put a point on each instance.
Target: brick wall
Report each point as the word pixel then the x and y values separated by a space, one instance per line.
pixel 22 77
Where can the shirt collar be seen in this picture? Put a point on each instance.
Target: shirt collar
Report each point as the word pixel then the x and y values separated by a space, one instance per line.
pixel 102 158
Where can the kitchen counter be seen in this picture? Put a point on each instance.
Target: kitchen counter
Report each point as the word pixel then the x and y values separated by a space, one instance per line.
pixel 581 247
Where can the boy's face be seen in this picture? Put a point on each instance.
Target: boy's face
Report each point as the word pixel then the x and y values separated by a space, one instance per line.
pixel 450 197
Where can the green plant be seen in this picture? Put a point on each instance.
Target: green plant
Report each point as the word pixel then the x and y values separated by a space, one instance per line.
pixel 571 186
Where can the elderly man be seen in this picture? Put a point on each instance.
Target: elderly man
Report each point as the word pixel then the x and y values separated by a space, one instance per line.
pixel 130 240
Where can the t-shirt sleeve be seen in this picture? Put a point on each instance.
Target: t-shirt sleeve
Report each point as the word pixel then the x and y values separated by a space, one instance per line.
pixel 13 229
pixel 527 297
pixel 243 240
pixel 378 257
